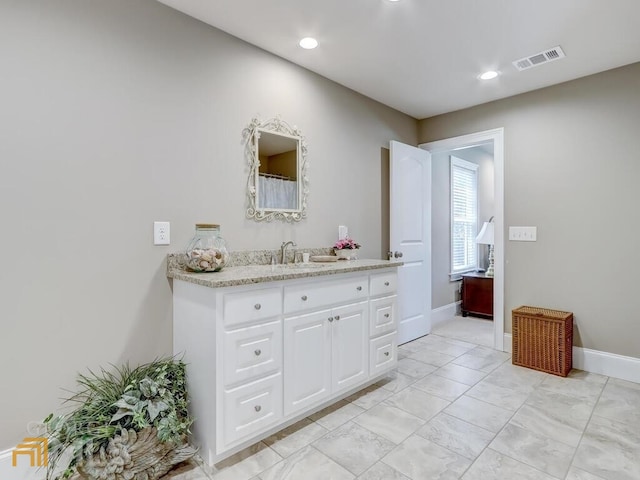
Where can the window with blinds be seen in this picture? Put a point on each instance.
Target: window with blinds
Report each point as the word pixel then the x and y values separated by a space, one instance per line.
pixel 464 215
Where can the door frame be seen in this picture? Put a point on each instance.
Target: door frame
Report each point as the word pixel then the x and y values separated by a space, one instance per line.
pixel 496 136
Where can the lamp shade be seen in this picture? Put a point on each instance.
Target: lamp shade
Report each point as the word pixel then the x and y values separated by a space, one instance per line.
pixel 486 234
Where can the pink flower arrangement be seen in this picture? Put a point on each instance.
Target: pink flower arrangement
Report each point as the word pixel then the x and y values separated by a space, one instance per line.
pixel 347 243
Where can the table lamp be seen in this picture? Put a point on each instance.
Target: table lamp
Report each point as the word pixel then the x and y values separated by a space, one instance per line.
pixel 485 237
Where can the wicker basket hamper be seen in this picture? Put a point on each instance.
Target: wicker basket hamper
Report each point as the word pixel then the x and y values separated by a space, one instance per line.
pixel 543 339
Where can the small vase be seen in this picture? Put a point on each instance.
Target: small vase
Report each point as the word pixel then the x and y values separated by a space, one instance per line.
pixel 345 253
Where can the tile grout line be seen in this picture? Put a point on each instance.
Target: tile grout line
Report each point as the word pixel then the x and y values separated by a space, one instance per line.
pixel 461 395
pixel 488 446
pixel 587 426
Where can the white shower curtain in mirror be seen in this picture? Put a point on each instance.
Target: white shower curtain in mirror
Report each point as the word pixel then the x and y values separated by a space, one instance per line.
pixel 277 193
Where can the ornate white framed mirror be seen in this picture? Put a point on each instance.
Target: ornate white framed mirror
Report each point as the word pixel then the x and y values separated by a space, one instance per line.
pixel 278 184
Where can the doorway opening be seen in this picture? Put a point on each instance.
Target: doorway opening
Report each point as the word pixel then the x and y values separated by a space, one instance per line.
pixel 490 141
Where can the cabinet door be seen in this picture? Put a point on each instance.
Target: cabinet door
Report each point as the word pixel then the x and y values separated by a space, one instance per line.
pixel 477 295
pixel 307 360
pixel 350 341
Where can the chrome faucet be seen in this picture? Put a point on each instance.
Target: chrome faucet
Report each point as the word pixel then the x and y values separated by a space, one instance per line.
pixel 283 250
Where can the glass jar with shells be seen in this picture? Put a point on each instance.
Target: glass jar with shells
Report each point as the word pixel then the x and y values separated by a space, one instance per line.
pixel 207 250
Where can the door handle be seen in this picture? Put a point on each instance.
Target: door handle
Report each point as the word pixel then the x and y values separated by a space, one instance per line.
pixel 397 254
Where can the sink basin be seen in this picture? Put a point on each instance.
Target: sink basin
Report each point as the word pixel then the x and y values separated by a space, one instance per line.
pixel 304 266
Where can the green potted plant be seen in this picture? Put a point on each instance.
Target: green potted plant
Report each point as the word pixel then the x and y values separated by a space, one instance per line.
pixel 129 424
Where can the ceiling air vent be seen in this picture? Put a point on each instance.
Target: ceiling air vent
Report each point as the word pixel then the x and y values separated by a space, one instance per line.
pixel 538 59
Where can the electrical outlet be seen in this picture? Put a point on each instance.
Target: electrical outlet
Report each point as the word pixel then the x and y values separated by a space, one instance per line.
pixel 161 233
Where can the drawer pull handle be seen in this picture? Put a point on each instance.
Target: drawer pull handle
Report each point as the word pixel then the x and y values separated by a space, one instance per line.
pixel 257 306
pixel 386 315
pixel 358 288
pixel 304 298
pixel 386 284
pixel 337 317
pixel 257 352
pixel 386 353
pixel 258 408
pixel 330 319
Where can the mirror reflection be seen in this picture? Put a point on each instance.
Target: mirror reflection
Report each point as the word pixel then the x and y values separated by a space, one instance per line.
pixel 278 171
pixel 278 185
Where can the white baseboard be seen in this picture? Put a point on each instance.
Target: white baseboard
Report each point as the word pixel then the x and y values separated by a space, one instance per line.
pixel 595 361
pixel 508 346
pixel 22 471
pixel 442 314
pixel 605 363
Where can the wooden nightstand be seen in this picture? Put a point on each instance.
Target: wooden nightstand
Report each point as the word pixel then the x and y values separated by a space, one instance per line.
pixel 477 295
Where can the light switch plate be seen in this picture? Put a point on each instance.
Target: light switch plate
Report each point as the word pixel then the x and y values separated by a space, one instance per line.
pixel 161 233
pixel 343 232
pixel 523 234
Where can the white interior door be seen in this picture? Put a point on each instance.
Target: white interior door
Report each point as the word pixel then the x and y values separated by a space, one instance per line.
pixel 410 225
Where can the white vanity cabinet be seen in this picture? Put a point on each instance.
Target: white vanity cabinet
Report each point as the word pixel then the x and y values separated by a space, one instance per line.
pixel 260 357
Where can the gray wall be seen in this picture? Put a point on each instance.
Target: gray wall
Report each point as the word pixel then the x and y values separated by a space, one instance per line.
pixel 444 291
pixel 572 170
pixel 119 113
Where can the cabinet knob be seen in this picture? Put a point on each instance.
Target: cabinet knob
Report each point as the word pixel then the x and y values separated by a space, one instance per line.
pixel 337 317
pixel 258 408
pixel 257 352
pixel 358 288
pixel 386 284
pixel 386 315
pixel 330 319
pixel 257 306
pixel 304 298
pixel 386 353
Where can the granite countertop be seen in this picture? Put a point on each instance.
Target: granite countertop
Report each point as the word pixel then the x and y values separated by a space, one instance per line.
pixel 251 274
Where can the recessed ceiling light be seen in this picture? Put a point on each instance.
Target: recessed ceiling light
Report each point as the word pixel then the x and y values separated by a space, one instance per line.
pixel 488 75
pixel 308 43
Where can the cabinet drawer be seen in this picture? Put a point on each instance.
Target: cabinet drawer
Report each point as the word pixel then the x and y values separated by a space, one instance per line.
pixel 252 408
pixel 383 354
pixel 252 351
pixel 383 283
pixel 251 305
pixel 382 315
pixel 321 294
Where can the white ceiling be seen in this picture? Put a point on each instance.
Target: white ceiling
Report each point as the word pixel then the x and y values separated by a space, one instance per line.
pixel 422 57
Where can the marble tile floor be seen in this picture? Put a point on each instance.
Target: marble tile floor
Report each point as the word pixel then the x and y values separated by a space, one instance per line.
pixel 455 410
pixel 468 329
